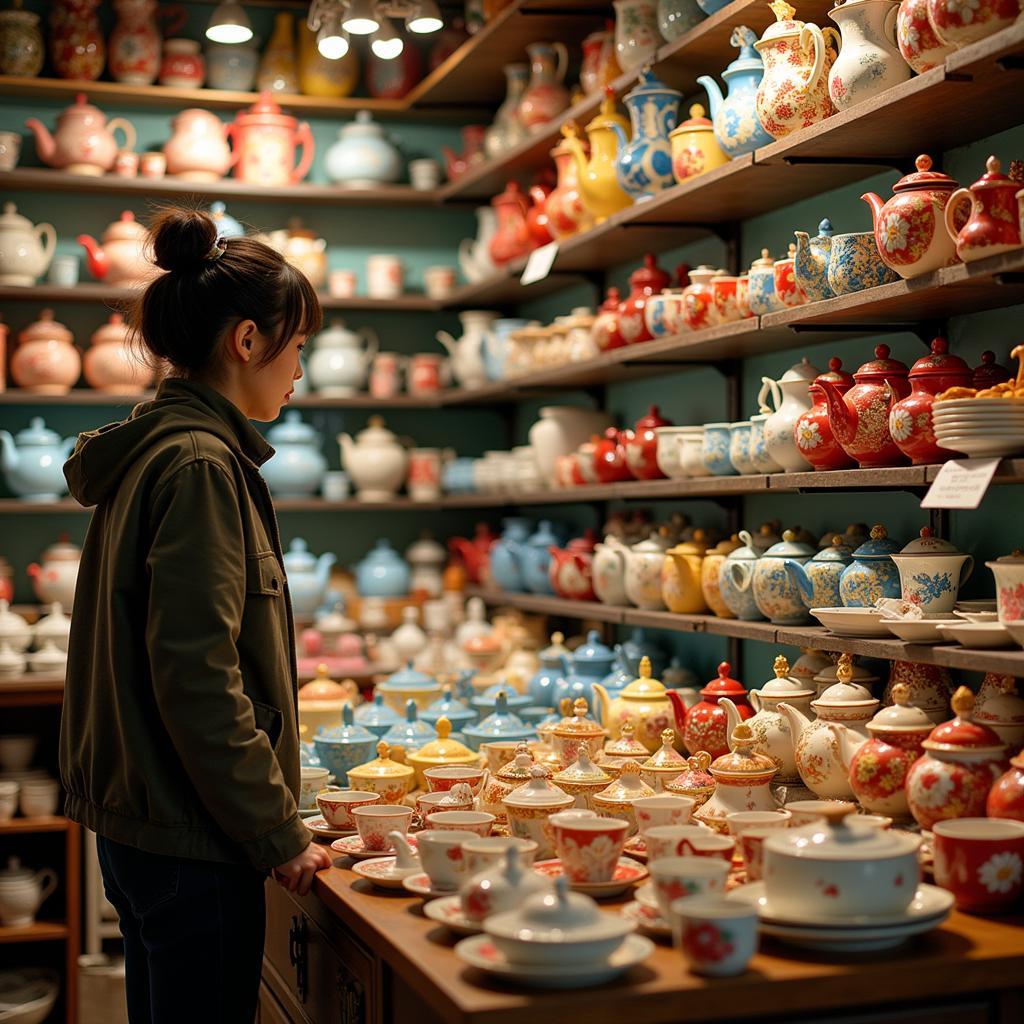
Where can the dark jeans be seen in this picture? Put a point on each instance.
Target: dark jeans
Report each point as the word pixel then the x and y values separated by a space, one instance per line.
pixel 193 935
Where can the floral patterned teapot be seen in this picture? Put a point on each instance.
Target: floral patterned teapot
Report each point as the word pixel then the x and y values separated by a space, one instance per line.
pixel 813 433
pixel 776 595
pixel 644 702
pixel 705 725
pixel 993 225
pixel 645 163
pixel 872 574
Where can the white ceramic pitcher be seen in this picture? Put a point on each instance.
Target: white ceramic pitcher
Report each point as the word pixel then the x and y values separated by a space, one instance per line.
pixel 791 398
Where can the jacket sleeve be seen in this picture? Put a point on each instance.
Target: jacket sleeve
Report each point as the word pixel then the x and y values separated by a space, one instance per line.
pixel 197 594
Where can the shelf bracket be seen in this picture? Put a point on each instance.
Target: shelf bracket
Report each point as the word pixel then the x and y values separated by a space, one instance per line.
pixel 1014 277
pixel 902 164
pixel 1011 62
pixel 925 330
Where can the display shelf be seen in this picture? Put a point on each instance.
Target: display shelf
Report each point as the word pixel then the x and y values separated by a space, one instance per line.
pixel 25 692
pixel 25 826
pixel 87 396
pixel 77 396
pixel 39 931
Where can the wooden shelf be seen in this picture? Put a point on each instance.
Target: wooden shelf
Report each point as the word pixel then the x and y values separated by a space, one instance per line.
pixel 25 692
pixel 24 826
pixel 1007 661
pixel 40 931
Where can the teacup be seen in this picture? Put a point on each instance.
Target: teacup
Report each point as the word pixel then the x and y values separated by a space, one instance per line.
pixel 39 799
pixel 723 291
pixel 499 753
pixel 312 780
pixel 337 806
pixel 10 147
pixel 715 450
pixel 717 936
pixel 442 856
pixel 787 291
pixel 739 821
pixel 752 849
pixel 439 282
pixel 375 821
pixel 589 848
pixel 809 812
pixel 485 853
pixel 664 809
pixel 8 799
pixel 981 862
pixel 739 447
pixel 674 878
pixel 477 822
pixel 854 264
pixel 688 840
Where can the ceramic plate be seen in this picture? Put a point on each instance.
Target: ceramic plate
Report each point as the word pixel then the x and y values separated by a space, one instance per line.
pixel 420 885
pixel 851 621
pixel 479 951
pixel 381 871
pixel 979 403
pixel 919 631
pixel 976 616
pixel 984 635
pixel 647 919
pixel 317 824
pixel 352 846
pixel 636 847
pixel 982 446
pixel 986 605
pixel 448 911
pixel 627 872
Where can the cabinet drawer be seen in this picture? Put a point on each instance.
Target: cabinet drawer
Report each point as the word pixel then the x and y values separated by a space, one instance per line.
pixel 271 1011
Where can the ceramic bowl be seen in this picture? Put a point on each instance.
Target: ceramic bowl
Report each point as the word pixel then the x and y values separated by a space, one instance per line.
pixel 477 822
pixel 377 820
pixel 852 621
pixel 337 806
pixel 919 631
pixel 589 848
pixel 978 635
pixel 485 853
pixel 739 821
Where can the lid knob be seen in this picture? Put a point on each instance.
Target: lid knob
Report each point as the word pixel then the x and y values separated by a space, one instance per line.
pixel 835 812
pixel 782 10
pixel 668 737
pixel 697 110
pixel 781 666
pixel 383 750
pixel 837 540
pixel 939 346
pixel 742 737
pixel 789 536
pixel 993 166
pixel 699 762
pixel 844 668
pixel 901 694
pixel 878 532
pixel 963 703
pixel 645 667
pixel 627 729
pixel 579 708
pixel 724 669
pixel 882 351
pixel 443 727
pixel 630 768
pixel 825 227
pixel 923 162
pixel 557 639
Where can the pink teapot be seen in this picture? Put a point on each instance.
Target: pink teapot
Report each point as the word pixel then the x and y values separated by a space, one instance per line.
pixel 198 149
pixel 121 259
pixel 265 139
pixel 110 363
pixel 571 568
pixel 84 141
pixel 46 361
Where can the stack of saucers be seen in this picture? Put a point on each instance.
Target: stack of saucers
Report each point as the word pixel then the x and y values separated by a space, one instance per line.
pixel 980 427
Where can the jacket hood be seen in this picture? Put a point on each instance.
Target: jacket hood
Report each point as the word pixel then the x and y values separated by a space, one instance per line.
pixel 102 457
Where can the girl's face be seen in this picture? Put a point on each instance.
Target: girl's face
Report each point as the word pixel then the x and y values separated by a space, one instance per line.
pixel 270 385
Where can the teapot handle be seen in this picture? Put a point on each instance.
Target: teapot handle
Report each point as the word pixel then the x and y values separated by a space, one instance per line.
pixel 742 575
pixel 47 236
pixel 889 25
pixel 127 127
pixel 303 138
pixel 951 207
pixel 49 884
pixel 966 569
pixel 811 37
pixel 767 384
pixel 563 60
pixel 369 336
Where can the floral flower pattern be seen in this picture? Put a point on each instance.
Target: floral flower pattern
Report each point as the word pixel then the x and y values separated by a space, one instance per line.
pixel 1001 872
pixel 808 435
pixel 705 943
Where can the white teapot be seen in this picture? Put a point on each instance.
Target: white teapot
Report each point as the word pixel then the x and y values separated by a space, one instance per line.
pixel 341 359
pixel 22 893
pixel 791 397
pixel 467 354
pixel 25 248
pixel 643 573
pixel 375 461
pixel 608 570
pixel 475 253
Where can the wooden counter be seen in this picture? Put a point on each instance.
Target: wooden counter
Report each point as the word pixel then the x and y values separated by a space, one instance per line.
pixel 400 966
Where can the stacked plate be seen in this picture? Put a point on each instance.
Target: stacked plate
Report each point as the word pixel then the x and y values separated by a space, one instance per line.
pixel 980 427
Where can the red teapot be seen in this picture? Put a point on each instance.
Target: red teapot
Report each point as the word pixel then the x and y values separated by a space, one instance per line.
pixel 610 465
pixel 988 372
pixel 644 282
pixel 606 323
pixel 474 554
pixel 705 725
pixel 812 432
pixel 511 240
pixel 910 418
pixel 641 444
pixel 570 568
pixel 859 419
pixel 456 164
pixel 992 226
pixel 537 216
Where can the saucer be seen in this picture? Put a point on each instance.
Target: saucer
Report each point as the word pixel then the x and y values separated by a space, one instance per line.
pixel 448 911
pixel 309 812
pixel 352 846
pixel 851 621
pixel 480 951
pixel 381 871
pixel 636 847
pixel 980 635
pixel 317 824
pixel 647 919
pixel 970 616
pixel 627 872
pixel 420 884
pixel 919 631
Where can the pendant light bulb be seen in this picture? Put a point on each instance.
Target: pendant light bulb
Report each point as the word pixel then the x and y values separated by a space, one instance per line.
pixel 386 43
pixel 360 19
pixel 229 24
pixel 425 19
pixel 330 40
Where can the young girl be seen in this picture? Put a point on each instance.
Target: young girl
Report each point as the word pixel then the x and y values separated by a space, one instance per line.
pixel 179 739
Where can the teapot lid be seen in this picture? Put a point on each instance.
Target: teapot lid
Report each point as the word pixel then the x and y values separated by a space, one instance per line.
pixel 695 775
pixel 264 105
pixel 297 558
pixel 644 686
pixel 375 432
pixel 557 915
pixel 62 550
pixel 841 838
pixel 789 546
pixel 1002 706
pixel 836 551
pixel 835 374
pixel 785 24
pixel 407 677
pixel 425 551
pixel 12 219
pixel 881 366
pixel 500 721
pixel 656 543
pixel 666 756
pixel 519 768
pixel 377 713
pixel 382 766
pixel 743 760
pixel 552 654
pixel 924 177
pixel 652 419
pixel 363 124
pixel 382 551
pixel 989 372
pixel 444 748
pixel 538 791
pixel 783 685
pixel 608 116
pixel 46 327
pixel 593 651
pixel 323 687
pixel 347 732
pixel 336 333
pixel 724 686
pixel 879 544
pixel 961 732
pixel 648 84
pixel 583 770
pixel 763 262
pixel 994 177
pixel 800 371
pixel 579 724
pixel 125 227
pixel 1016 557
pixel 902 716
pixel 14 870
pixel 627 745
pixel 449 705
pixel 543 536
pixel 582 545
pixel 939 361
pixel 650 275
pixel 825 228
pixel 628 786
pixel 696 545
pixel 928 544
pixel 37 433
pixel 227 226
pixel 845 693
pixel 727 546
pixel 292 431
pixel 744 39
pixel 696 122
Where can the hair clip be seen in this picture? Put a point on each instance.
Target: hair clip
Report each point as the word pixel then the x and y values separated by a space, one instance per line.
pixel 217 249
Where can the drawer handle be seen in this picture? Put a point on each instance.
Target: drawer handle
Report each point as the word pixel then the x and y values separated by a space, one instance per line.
pixel 298 944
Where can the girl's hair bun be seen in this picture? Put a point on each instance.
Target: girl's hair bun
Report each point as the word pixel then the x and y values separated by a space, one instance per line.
pixel 182 240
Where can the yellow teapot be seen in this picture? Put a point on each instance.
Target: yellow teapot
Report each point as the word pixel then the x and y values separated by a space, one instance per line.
pixel 440 753
pixel 695 150
pixel 681 577
pixel 598 178
pixel 643 702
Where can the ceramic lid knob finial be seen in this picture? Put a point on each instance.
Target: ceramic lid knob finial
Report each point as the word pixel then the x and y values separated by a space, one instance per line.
pixel 630 768
pixel 781 666
pixel 557 639
pixel 627 729
pixel 383 750
pixel 645 667
pixel 837 540
pixel 782 10
pixel 667 737
pixel 963 703
pixel 882 351
pixel 742 737
pixel 901 694
pixel 565 706
pixel 789 536
pixel 878 532
pixel 443 727
pixel 579 707
pixel 844 668
pixel 699 762
pixel 923 162
pixel 992 165
pixel 321 671
pixel 724 668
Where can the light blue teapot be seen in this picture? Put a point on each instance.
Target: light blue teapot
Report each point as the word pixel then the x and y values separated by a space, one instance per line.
pixel 363 155
pixel 544 685
pixel 33 461
pixel 644 165
pixel 297 466
pixel 501 724
pixel 377 716
pixel 734 116
pixel 872 573
pixel 382 573
pixel 775 594
pixel 535 557
pixel 740 599
pixel 588 664
pixel 410 733
pixel 818 580
pixel 308 577
pixel 407 684
pixel 450 707
pixel 344 746
pixel 505 553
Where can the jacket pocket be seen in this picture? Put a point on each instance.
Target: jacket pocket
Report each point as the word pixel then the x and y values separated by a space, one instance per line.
pixel 269 719
pixel 264 575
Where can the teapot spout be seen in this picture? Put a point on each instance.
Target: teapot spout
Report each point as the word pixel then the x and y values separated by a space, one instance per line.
pixel 679 710
pixel 795 718
pixel 732 715
pixel 848 741
pixel 798 576
pixel 875 201
pixel 347 446
pixel 448 341
pixel 8 452
pixel 841 420
pixel 715 99
pixel 324 564
pixel 98 260
pixel 46 146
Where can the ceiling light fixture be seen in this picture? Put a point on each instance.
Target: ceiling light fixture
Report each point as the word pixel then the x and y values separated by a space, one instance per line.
pixel 424 18
pixel 325 20
pixel 386 43
pixel 229 24
pixel 359 18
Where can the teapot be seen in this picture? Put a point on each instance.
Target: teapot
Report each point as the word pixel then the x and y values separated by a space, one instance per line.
pixel 704 725
pixel 993 225
pixel 643 572
pixel 26 249
pixel 363 156
pixel 341 359
pixel 818 579
pixel 302 249
pixel 584 667
pixel 681 575
pixel 457 164
pixel 932 572
pixel 383 573
pixel 308 577
pixel 264 139
pixel 777 597
pixel 535 558
pixel 869 62
pixel 504 555
pixel 825 746
pixel 859 418
pixel 22 893
pixel 574 732
pixel 811 263
pixel 475 253
pixel 644 165
pixel 111 364
pixel 644 702
pixel 740 600
pixel 297 467
pixel 55 575
pixel 743 779
pixel 46 361
pixel 608 571
pixel 375 461
pixel 198 147
pixel 695 150
pixel 122 260
pixel 467 354
pixel 641 443
pixel 33 462
pixel 549 679
pixel 645 282
pixel 570 568
pixel 813 432
pixel 793 93
pixel 872 574
pixel 791 398
pixel 410 734
pixel 737 126
pixel 598 177
pixel 84 141
pixel 565 207
pixel 511 241
pixel 344 746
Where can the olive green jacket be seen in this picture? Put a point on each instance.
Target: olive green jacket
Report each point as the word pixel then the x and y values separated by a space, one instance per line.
pixel 179 730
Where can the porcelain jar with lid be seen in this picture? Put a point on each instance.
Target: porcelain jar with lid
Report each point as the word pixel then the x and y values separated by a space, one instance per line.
pixel 705 725
pixel 426 559
pixel 14 630
pixel 665 764
pixel 498 785
pixel 22 49
pixel 859 418
pixel 55 574
pixel 376 716
pixel 84 141
pixel 644 702
pixel 26 249
pixel 644 282
pixel 698 299
pixel 500 887
pixel 626 748
pixel 641 444
pixel 872 574
pixel 22 892
pixel 111 364
pixel 645 162
pixel 341 359
pixel 737 126
pixel 810 267
pixel 500 724
pixel 929 687
pixel 878 769
pixel 439 752
pixel 682 575
pixel 999 706
pixel 961 761
pixel 582 779
pixel 198 147
pixel 761 297
pixel 921 48
pixel 740 601
pixel 322 702
pixel 813 432
pixel 363 156
pixel 616 799
pixel 504 562
pixel 824 746
pixel 1006 797
pixel 993 223
pixel 798 56
pixel 869 61
pixel 958 25
pixel 46 361
pixel 695 780
pixel 450 707
pixel 308 577
pixel 265 140
pixel 297 467
pixel 778 598
pixel 383 573
pixel 575 732
pixel 33 462
pixel 742 781
pixel 910 226
pixel 1008 571
pixel 389 779
pixel 791 398
pixel 770 727
pixel 529 806
pixel 910 418
pixel 931 572
pixel 818 579
pixel 609 571
pixel 643 572
pixel 695 149
pixel 122 259
pixel 343 746
pixel 375 461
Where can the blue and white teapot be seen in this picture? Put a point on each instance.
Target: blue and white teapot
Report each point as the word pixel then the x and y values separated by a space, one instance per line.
pixel 644 165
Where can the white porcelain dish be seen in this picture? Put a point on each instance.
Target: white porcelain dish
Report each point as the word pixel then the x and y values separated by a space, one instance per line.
pixel 976 616
pixel 647 919
pixel 987 604
pixel 981 446
pixel 978 403
pixel 1016 629
pixel 448 911
pixel 851 621
pixel 27 995
pixel 421 885
pixel 978 635
pixel 919 631
pixel 627 872
pixel 383 872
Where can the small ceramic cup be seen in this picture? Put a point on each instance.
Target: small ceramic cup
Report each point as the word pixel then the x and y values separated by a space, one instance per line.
pixel 479 823
pixel 854 264
pixel 424 174
pixel 484 853
pixel 152 165
pixel 337 806
pixel 312 780
pixel 336 485
pixel 691 453
pixel 739 821
pixel 8 799
pixel 441 779
pixel 342 284
pixel 809 812
pixel 688 841
pixel 442 856
pixel 439 282
pixel 126 163
pixel 10 149
pixel 752 850
pixel 981 862
pixel 428 804
pixel 39 799
pixel 717 936
pixel 375 821
pixel 385 276
pixel 667 452
pixel 661 810
pixel 715 450
pixel 739 448
pixel 675 878
pixel 589 848
pixel 424 480
pixel 64 271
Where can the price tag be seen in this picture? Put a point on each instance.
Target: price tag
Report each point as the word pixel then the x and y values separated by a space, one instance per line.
pixel 539 265
pixel 961 483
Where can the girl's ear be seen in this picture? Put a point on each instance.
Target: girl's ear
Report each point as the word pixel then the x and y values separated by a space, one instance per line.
pixel 240 341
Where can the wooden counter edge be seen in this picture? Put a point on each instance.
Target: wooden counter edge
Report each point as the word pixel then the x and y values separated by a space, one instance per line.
pixel 968 955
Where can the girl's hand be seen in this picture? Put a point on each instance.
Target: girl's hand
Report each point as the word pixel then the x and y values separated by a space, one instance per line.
pixel 296 875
